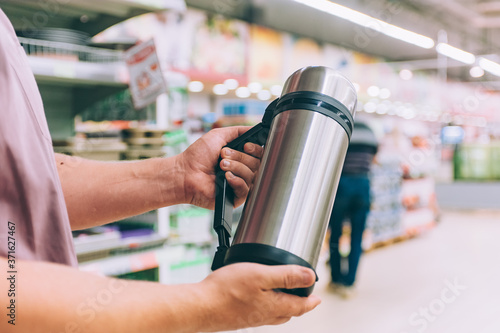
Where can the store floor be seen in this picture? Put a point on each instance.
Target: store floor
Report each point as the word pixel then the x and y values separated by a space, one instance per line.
pixel 447 280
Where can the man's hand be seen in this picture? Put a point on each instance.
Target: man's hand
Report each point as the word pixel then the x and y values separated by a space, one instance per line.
pixel 101 192
pixel 233 297
pixel 198 164
pixel 243 295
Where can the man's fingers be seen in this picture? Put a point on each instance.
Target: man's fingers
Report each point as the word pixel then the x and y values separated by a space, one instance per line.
pixel 280 321
pixel 251 162
pixel 238 169
pixel 298 307
pixel 253 149
pixel 239 186
pixel 289 277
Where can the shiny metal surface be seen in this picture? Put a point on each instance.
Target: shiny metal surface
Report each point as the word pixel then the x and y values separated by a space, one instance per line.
pixel 294 190
pixel 291 202
pixel 323 80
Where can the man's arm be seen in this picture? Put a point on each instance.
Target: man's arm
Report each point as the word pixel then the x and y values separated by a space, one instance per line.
pixel 101 192
pixel 56 298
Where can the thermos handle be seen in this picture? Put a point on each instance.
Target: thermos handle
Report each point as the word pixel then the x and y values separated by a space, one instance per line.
pixel 224 195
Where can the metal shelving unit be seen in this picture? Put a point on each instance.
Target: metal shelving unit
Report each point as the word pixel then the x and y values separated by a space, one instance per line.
pixel 82 75
pixel 76 65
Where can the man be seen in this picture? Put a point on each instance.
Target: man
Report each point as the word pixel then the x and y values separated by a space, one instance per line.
pixel 43 196
pixel 351 202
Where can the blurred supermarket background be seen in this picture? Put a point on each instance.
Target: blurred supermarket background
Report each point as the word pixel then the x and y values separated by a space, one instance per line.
pixel 430 92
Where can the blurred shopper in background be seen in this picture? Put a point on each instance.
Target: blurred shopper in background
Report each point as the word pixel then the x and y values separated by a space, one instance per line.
pixel 351 202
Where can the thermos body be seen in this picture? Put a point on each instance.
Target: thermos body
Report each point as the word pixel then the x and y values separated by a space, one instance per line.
pixel 291 202
pixel 305 133
pixel 290 205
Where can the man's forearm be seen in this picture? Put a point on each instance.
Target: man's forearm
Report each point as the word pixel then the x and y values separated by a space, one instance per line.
pixel 56 298
pixel 101 192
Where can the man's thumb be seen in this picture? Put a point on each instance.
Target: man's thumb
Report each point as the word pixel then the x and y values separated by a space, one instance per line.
pixel 290 277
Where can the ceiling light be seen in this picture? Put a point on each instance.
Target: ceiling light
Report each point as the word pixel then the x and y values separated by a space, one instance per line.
pixel 406 74
pixel 370 107
pixel 455 53
pixel 254 87
pixel 370 22
pixel 373 91
pixel 490 66
pixel 264 95
pixel 243 92
pixel 276 90
pixel 384 93
pixel 231 84
pixel 195 86
pixel 476 71
pixel 220 89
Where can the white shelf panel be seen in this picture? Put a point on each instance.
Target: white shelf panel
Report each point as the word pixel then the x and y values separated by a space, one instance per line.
pixel 78 73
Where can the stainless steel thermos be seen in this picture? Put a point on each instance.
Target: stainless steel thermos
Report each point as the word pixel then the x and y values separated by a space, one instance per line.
pixel 305 134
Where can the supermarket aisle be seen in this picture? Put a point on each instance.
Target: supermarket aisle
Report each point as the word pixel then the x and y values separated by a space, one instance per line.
pixel 453 273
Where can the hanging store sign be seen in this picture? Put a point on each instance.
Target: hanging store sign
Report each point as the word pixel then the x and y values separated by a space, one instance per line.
pixel 146 78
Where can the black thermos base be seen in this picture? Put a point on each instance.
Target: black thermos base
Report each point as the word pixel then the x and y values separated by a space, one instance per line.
pixel 268 255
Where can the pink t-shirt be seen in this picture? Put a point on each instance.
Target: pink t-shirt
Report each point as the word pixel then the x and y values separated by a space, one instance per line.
pixel 31 197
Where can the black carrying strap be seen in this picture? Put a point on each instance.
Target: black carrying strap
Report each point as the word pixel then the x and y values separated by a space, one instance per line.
pixel 224 195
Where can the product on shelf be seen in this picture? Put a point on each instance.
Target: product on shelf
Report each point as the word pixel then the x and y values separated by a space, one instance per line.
pixel 191 223
pixel 400 208
pixel 143 143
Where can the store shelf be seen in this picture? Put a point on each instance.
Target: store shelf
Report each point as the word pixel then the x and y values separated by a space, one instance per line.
pixel 75 73
pixel 75 64
pixel 197 240
pixel 401 208
pixel 99 247
pixel 177 262
pixel 123 264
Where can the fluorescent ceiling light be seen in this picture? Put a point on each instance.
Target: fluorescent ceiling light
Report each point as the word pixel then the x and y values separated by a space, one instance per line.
pixel 373 91
pixel 255 87
pixel 384 93
pixel 476 71
pixel 243 92
pixel 195 86
pixel 264 95
pixel 406 74
pixel 490 66
pixel 231 84
pixel 370 107
pixel 370 22
pixel 276 90
pixel 220 89
pixel 455 53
